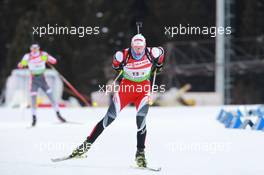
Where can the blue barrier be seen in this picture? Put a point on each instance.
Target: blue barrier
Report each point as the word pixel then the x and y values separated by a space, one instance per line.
pixel 221 115
pixel 246 123
pixel 259 125
pixel 233 120
pixel 228 119
pixel 236 120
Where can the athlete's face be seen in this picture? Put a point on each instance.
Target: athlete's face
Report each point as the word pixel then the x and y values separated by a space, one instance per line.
pixel 138 49
pixel 34 49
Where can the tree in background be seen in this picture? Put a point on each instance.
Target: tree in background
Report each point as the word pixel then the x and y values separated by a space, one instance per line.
pixel 86 61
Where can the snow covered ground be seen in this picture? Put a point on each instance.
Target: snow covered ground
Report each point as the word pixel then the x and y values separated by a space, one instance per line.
pixel 185 141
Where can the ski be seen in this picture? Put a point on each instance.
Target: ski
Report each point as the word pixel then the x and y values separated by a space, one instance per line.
pixel 147 168
pixel 59 159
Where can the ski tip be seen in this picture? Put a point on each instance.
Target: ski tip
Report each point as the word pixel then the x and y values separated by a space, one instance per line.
pixel 60 159
pixel 158 169
pixel 147 168
pixel 54 160
pixel 154 169
pixel 67 158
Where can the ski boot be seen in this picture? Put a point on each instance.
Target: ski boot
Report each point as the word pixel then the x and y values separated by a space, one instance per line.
pixel 140 158
pixel 60 117
pixel 34 120
pixel 80 150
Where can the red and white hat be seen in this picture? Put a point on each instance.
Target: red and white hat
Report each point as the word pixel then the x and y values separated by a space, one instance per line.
pixel 138 40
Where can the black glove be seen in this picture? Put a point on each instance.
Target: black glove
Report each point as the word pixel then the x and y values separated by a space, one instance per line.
pixel 157 66
pixel 159 69
pixel 119 68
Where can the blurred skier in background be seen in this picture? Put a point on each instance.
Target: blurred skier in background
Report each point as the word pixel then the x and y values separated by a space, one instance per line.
pixel 36 62
pixel 137 65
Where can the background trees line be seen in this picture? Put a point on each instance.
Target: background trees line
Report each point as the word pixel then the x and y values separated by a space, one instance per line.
pixel 86 61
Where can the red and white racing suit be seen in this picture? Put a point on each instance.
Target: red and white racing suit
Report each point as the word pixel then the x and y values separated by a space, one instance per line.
pixel 134 88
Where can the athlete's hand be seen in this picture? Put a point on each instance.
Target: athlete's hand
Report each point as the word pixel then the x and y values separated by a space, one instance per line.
pixel 159 69
pixel 119 67
pixel 158 66
pixel 20 66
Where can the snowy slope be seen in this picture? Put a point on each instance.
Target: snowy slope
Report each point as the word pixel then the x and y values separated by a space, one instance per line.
pixel 180 140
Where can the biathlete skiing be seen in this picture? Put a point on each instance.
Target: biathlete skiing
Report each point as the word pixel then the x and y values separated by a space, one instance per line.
pixel 36 62
pixel 137 65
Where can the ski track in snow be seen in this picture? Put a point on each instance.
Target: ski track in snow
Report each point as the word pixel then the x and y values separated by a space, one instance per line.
pixel 181 140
